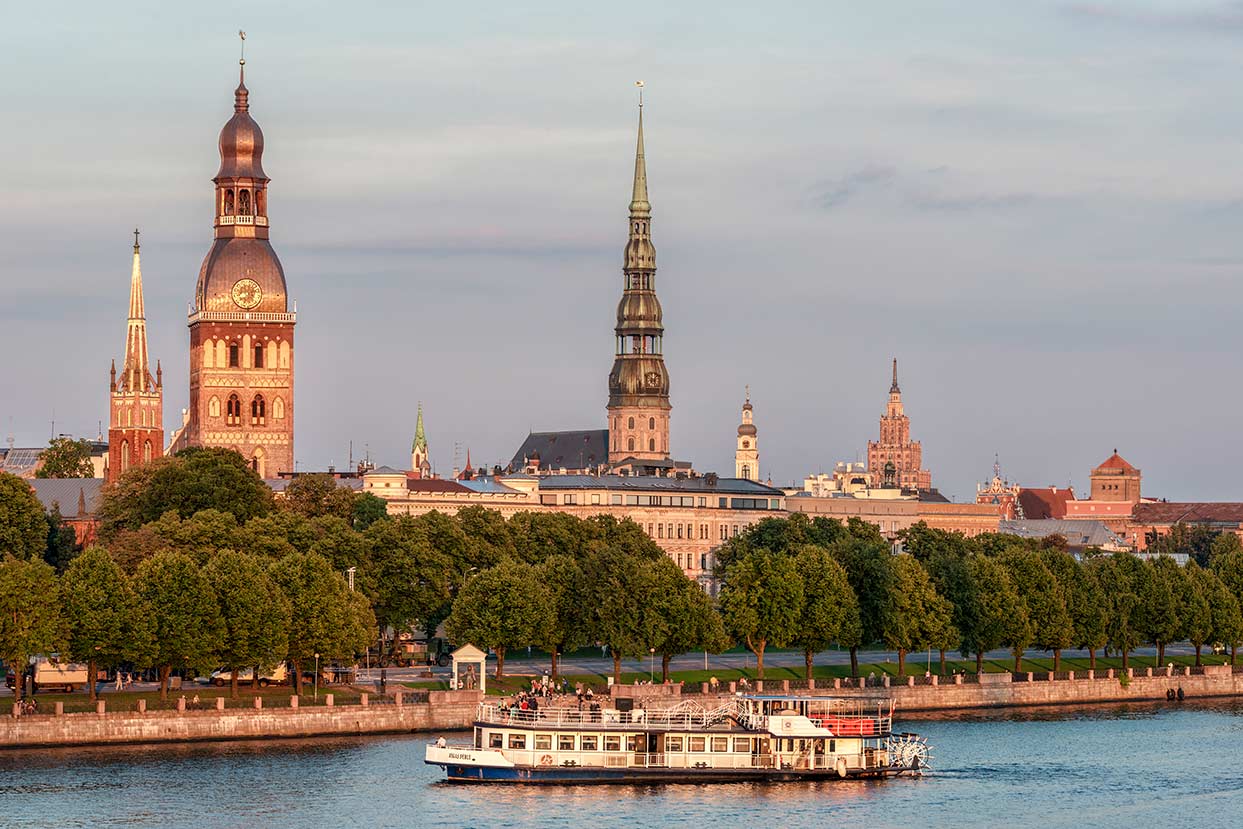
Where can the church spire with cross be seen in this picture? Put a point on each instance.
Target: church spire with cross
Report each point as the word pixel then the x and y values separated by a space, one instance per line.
pixel 638 407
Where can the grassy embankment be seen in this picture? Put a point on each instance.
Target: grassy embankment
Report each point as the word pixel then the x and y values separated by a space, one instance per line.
pixel 276 696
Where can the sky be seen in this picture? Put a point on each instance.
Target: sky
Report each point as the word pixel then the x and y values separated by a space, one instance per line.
pixel 1034 206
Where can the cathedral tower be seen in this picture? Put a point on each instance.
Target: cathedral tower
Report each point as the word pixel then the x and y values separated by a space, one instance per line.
pixel 895 459
pixel 419 464
pixel 241 326
pixel 638 406
pixel 747 455
pixel 136 412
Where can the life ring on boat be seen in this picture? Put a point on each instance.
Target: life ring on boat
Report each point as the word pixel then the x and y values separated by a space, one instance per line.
pixel 546 760
pixel 786 725
pixel 841 767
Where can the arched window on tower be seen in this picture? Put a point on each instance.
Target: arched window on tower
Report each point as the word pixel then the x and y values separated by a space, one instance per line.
pixel 259 355
pixel 651 444
pixel 243 202
pixel 233 410
pixel 124 455
pixel 630 425
pixel 746 471
pixel 630 445
pixel 213 407
pixel 258 410
pixel 651 423
pixel 146 452
pixel 235 355
pixel 260 203
pixel 228 202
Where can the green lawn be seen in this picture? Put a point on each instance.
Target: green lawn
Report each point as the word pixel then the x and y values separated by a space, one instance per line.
pixel 273 697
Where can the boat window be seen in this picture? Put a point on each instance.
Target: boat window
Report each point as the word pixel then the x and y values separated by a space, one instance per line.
pixel 696 743
pixel 612 742
pixel 478 738
pixel 673 743
pixel 543 742
pixel 832 746
pixel 517 741
pixel 742 745
pixel 496 739
pixel 720 743
pixel 589 742
pixel 632 742
pixel 565 742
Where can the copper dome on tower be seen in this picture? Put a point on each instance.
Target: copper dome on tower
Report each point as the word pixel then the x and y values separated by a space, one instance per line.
pixel 241 140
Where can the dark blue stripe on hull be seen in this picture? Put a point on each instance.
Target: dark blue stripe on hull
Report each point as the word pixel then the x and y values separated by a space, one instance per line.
pixel 564 775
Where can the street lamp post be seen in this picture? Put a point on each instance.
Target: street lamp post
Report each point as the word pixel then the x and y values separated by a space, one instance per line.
pixel 349 575
pixel 651 665
pixel 317 677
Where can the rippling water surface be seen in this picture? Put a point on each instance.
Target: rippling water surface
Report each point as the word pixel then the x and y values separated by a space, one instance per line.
pixel 1120 766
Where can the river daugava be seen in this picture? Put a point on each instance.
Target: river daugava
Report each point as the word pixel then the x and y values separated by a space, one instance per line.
pixel 1170 765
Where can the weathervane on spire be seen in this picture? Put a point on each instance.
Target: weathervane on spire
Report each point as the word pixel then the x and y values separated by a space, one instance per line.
pixel 639 84
pixel 242 36
pixel 135 240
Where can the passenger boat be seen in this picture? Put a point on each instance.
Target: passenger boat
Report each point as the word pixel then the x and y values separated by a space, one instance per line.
pixel 750 737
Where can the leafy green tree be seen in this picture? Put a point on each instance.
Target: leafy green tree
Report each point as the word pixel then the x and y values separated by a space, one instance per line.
pixel 23 525
pixel 62 541
pixel 408 580
pixel 1052 628
pixel 324 618
pixel 683 618
pixel 66 458
pixel 567 589
pixel 924 543
pixel 194 479
pixel 315 494
pixel 1121 576
pixel 992 613
pixel 368 509
pixel 488 535
pixel 761 602
pixel 538 535
pixel 830 611
pixel 254 611
pixel 503 607
pixel 1227 618
pixel 1159 612
pixel 31 621
pixel 868 562
pixel 179 600
pixel 919 616
pixel 1196 612
pixel 106 623
pixel 1192 540
pixel 279 533
pixel 617 589
pixel 1228 567
pixel 1085 600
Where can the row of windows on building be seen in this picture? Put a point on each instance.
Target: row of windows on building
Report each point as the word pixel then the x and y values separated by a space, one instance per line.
pixel 226 354
pixel 146 453
pixel 146 417
pixel 617 499
pixel 672 743
pixel 258 410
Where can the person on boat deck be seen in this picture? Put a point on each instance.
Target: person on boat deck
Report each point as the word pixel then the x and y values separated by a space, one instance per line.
pixel 441 743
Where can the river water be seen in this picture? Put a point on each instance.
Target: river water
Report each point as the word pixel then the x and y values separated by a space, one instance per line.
pixel 1168 766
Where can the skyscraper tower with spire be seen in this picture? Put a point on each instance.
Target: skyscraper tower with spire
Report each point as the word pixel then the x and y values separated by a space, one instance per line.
pixel 638 408
pixel 241 326
pixel 419 464
pixel 747 455
pixel 136 406
pixel 895 449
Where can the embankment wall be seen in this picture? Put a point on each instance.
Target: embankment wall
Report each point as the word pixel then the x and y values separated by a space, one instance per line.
pixel 443 711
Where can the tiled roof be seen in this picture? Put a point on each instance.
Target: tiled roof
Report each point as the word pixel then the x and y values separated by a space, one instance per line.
pixel 1116 461
pixel 723 486
pixel 575 449
pixel 1076 533
pixel 280 484
pixel 487 485
pixel 1188 513
pixel 68 492
pixel 1045 502
pixel 434 485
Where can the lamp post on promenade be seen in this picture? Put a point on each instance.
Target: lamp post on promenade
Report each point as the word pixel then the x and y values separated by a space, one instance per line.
pixel 651 665
pixel 317 677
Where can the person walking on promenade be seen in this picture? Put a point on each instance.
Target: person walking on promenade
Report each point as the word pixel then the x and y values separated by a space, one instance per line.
pixel 120 682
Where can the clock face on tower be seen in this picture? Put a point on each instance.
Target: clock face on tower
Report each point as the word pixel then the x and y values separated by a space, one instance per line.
pixel 247 293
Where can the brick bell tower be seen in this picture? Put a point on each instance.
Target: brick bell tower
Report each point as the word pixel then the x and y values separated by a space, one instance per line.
pixel 136 407
pixel 241 326
pixel 639 406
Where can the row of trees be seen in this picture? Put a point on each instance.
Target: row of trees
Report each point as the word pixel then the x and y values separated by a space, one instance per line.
pixel 238 610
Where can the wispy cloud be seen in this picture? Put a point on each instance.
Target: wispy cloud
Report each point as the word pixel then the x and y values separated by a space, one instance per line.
pixel 932 190
pixel 838 191
pixel 1219 18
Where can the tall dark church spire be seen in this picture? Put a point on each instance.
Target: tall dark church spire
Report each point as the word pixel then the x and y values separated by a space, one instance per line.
pixel 639 383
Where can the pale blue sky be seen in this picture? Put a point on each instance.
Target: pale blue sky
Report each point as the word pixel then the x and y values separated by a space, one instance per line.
pixel 1035 206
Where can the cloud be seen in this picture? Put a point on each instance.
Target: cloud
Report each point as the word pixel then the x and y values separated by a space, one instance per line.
pixel 836 192
pixel 933 190
pixel 1216 18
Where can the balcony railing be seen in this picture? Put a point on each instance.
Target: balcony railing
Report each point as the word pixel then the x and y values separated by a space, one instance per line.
pixel 240 316
pixel 226 219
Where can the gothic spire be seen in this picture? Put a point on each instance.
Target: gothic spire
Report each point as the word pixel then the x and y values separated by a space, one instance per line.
pixel 893 389
pixel 136 373
pixel 639 205
pixel 420 437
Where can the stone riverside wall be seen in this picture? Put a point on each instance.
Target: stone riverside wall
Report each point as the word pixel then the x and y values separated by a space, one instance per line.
pixel 444 711
pixel 1002 690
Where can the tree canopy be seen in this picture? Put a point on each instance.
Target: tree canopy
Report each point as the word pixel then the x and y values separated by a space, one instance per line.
pixel 66 458
pixel 23 524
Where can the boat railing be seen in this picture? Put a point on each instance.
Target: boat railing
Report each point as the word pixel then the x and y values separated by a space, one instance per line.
pixel 688 715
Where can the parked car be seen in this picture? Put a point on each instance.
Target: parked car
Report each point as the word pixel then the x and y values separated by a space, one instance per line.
pixel 224 676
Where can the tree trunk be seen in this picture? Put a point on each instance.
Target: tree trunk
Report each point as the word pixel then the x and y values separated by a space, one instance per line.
pixel 90 679
pixel 297 677
pixel 616 668
pixel 1160 654
pixel 664 668
pixel 759 659
pixel 1198 653
pixel 500 661
pixel 979 662
pixel 1233 652
pixel 554 666
pixel 164 672
pixel 254 678
pixel 233 683
pixel 1092 658
pixel 19 685
pixel 1125 659
pixel 942 661
pixel 854 660
pixel 808 655
pixel 1018 661
pixel 901 661
pixel 1057 660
